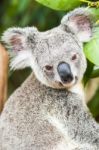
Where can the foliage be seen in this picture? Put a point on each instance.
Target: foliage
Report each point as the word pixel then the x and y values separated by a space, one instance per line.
pixel 60 4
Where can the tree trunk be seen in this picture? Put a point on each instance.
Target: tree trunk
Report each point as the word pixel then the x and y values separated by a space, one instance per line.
pixel 3 76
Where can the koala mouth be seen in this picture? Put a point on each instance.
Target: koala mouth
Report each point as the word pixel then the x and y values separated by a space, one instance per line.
pixel 68 84
pixel 60 84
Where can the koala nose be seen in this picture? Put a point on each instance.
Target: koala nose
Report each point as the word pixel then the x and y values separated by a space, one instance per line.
pixel 65 72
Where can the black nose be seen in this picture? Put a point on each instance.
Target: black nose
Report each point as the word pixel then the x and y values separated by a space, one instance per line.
pixel 65 72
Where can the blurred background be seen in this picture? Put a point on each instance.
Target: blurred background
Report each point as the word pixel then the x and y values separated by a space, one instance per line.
pixel 24 13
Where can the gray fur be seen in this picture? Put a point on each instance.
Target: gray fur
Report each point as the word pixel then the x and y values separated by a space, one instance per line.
pixel 43 113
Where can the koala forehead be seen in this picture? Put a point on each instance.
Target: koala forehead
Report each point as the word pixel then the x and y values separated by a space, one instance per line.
pixel 56 42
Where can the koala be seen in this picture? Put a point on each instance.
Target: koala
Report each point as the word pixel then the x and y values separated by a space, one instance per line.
pixel 47 112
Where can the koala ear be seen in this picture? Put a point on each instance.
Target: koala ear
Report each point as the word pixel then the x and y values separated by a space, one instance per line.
pixel 18 42
pixel 79 22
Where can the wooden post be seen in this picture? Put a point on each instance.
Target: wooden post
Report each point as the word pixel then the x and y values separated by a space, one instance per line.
pixel 3 76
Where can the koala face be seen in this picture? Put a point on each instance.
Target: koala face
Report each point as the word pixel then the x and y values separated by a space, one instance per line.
pixel 59 59
pixel 55 56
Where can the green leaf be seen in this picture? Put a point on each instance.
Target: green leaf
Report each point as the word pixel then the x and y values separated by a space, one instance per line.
pixel 60 4
pixel 94 12
pixel 91 48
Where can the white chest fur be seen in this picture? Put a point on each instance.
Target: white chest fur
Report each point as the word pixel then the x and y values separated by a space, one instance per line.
pixel 67 143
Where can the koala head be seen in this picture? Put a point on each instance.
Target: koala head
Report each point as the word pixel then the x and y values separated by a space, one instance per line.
pixel 55 56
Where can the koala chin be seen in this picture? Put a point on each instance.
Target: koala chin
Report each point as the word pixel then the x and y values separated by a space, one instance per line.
pixel 47 111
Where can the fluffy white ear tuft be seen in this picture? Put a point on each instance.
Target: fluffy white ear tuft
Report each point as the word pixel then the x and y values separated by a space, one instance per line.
pixel 79 21
pixel 22 60
pixel 17 42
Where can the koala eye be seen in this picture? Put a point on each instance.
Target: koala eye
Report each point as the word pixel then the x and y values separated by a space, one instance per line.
pixel 74 57
pixel 48 68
